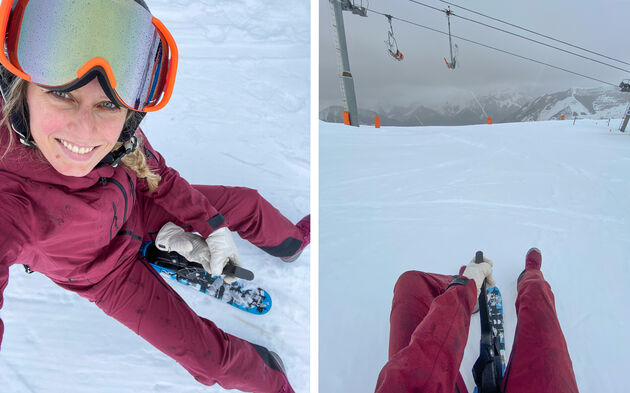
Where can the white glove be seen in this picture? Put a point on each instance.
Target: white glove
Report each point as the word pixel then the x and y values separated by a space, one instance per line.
pixel 479 272
pixel 192 247
pixel 222 250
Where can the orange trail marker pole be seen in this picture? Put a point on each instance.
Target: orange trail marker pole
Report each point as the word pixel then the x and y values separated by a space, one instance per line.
pixel 489 120
pixel 377 122
pixel 346 118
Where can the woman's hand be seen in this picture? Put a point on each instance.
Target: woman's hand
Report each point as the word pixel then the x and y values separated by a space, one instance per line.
pixel 213 253
pixel 192 247
pixel 480 272
pixel 222 250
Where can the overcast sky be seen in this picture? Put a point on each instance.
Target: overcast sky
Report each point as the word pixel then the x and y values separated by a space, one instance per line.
pixel 423 78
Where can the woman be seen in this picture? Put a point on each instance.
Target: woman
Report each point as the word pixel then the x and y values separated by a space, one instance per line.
pixel 84 187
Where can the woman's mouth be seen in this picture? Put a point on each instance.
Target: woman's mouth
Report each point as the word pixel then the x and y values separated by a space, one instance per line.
pixel 76 149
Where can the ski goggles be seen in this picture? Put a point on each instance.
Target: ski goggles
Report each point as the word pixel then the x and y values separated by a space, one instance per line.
pixel 56 43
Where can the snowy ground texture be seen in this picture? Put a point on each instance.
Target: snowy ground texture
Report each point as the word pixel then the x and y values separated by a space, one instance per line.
pixel 239 116
pixel 398 199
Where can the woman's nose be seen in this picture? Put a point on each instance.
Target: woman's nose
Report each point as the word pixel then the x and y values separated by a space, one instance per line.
pixel 83 124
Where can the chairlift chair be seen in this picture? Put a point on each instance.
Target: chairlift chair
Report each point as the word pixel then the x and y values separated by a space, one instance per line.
pixel 451 64
pixel 625 85
pixel 392 45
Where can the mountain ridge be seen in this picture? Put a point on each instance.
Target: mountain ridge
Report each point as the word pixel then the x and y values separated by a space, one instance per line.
pixel 504 107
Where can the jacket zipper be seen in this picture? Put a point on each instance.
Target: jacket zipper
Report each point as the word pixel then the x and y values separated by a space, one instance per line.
pixel 133 194
pixel 104 181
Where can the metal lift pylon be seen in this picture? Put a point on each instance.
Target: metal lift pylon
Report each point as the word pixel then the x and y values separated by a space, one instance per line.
pixel 347 83
pixel 626 119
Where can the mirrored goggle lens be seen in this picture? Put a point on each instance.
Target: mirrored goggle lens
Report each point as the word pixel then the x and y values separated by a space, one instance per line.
pixel 56 41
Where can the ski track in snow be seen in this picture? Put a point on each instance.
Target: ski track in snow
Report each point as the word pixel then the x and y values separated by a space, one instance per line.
pixel 239 116
pixel 396 199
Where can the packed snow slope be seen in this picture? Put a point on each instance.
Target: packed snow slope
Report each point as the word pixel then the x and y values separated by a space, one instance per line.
pixel 239 116
pixel 398 199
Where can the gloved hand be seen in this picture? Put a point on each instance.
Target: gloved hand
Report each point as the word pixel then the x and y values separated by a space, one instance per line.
pixel 479 272
pixel 222 250
pixel 189 245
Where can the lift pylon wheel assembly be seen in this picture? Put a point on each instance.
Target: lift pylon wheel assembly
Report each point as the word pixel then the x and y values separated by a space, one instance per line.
pixel 392 45
pixel 451 64
pixel 347 5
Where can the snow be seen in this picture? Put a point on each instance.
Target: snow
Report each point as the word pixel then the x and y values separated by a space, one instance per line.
pixel 239 116
pixel 426 198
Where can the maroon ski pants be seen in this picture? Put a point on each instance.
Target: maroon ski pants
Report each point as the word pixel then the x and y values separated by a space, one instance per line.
pixel 139 298
pixel 247 213
pixel 539 361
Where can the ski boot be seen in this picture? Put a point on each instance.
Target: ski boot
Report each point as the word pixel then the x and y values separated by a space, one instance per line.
pixel 304 225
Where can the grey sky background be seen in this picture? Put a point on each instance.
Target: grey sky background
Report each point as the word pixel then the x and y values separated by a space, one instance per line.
pixel 423 78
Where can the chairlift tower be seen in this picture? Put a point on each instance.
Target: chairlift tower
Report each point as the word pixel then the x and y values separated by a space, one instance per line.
pixel 625 120
pixel 347 83
pixel 625 87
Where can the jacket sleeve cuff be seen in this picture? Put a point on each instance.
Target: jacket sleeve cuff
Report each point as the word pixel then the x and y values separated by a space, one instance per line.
pixel 216 222
pixel 459 280
pixel 466 282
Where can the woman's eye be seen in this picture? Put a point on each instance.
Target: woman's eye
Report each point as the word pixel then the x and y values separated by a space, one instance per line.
pixel 60 94
pixel 110 105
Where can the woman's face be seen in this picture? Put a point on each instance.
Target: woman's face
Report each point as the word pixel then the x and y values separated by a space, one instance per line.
pixel 74 130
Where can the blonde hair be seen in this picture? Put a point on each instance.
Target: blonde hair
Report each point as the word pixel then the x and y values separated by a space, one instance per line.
pixel 15 104
pixel 137 162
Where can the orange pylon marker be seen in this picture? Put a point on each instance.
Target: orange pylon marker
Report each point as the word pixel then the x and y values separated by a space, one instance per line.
pixel 346 118
pixel 489 120
pixel 562 117
pixel 377 122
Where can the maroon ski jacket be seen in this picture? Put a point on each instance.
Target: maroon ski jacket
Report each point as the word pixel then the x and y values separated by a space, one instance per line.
pixel 76 230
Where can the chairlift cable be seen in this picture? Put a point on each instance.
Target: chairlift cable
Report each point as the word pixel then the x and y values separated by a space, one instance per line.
pixel 522 36
pixel 496 49
pixel 534 32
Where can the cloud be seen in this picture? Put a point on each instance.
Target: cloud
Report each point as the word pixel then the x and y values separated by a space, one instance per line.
pixel 423 75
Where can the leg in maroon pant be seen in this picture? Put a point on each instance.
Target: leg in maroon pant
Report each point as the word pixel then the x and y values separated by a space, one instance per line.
pixel 540 360
pixel 413 294
pixel 247 213
pixel 140 299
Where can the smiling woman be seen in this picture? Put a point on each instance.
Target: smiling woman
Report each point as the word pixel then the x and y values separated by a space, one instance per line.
pixel 33 125
pixel 74 130
pixel 72 213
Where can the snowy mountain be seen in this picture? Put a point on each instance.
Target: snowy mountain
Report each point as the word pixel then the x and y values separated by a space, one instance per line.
pixel 398 199
pixel 596 103
pixel 503 107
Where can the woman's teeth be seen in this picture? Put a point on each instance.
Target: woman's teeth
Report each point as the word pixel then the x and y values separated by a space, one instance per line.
pixel 76 149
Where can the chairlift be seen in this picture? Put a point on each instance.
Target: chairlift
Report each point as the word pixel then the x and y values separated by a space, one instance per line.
pixel 392 45
pixel 450 65
pixel 625 85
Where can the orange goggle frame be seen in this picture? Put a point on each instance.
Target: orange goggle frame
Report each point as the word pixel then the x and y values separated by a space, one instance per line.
pixel 55 44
